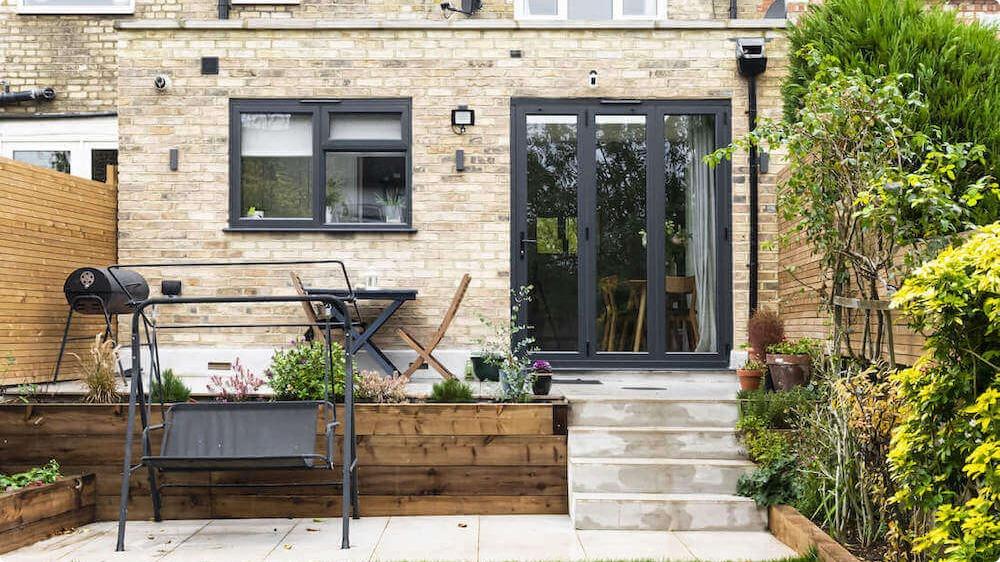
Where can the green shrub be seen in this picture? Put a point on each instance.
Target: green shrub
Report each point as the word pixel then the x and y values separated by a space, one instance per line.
pixel 946 450
pixel 801 346
pixel 173 388
pixel 763 444
pixel 777 410
pixel 955 64
pixel 771 484
pixel 35 477
pixel 451 390
pixel 297 373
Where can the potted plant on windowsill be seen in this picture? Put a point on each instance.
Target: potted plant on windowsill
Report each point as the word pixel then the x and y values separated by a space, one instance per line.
pixel 751 374
pixel 392 205
pixel 790 362
pixel 542 384
pixel 254 212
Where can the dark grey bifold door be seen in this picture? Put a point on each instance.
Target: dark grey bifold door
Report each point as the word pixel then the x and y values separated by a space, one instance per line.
pixel 622 230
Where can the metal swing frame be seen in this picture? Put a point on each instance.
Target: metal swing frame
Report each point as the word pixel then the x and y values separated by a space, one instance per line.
pixel 143 325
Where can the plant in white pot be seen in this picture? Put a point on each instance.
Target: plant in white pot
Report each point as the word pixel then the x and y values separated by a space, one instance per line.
pixel 392 205
pixel 508 348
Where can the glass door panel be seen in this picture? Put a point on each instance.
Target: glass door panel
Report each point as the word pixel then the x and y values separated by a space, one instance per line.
pixel 550 247
pixel 690 233
pixel 620 181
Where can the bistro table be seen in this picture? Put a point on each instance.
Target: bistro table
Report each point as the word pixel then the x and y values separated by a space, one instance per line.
pixel 395 298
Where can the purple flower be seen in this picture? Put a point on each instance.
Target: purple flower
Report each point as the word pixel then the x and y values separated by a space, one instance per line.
pixel 541 366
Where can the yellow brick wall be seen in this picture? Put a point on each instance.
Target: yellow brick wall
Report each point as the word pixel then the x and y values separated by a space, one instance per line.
pixel 462 219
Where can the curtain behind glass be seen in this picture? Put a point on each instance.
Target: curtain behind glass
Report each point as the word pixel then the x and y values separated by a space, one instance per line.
pixel 700 215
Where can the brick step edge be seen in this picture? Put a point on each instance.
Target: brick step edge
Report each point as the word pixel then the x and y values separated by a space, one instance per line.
pixel 800 534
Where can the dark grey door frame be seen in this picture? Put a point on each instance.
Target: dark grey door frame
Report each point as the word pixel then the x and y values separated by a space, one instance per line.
pixel 656 356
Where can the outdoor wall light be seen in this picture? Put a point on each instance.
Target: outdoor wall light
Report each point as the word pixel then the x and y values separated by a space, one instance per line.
pixel 461 118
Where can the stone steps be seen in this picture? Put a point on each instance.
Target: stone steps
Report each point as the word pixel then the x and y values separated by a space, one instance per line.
pixel 653 412
pixel 662 458
pixel 667 512
pixel 658 476
pixel 654 442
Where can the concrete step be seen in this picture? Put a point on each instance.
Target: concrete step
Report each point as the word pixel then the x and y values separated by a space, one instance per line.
pixel 653 442
pixel 666 512
pixel 658 475
pixel 647 411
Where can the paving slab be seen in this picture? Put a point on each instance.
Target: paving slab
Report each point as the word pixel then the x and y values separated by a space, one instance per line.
pixel 528 537
pixel 429 538
pixel 726 545
pixel 320 539
pixel 633 545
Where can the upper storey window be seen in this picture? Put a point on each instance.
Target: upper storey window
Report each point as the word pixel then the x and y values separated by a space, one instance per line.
pixel 590 10
pixel 76 6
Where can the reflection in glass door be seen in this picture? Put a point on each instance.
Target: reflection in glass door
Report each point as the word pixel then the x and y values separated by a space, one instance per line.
pixel 550 245
pixel 623 231
pixel 620 180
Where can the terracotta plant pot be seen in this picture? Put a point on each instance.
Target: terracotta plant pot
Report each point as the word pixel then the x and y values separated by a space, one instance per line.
pixel 789 371
pixel 749 378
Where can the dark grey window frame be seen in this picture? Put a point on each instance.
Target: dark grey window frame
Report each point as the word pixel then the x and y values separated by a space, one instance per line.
pixel 320 111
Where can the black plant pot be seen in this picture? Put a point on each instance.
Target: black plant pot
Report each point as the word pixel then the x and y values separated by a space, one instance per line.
pixel 542 385
pixel 483 370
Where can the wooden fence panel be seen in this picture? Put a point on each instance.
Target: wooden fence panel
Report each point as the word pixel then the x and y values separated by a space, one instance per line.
pixel 50 224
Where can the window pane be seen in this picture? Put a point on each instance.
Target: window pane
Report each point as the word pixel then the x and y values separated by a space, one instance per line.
pixel 57 160
pixel 542 7
pixel 275 165
pixel 552 262
pixel 365 187
pixel 639 7
pixel 366 126
pixel 690 231
pixel 621 232
pixel 591 9
pixel 99 162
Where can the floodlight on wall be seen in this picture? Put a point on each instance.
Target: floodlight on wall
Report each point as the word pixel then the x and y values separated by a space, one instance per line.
pixel 461 118
pixel 468 7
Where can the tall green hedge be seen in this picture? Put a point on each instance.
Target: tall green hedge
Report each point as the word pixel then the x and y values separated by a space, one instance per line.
pixel 955 64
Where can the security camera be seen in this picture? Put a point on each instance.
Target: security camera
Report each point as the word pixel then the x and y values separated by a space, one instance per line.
pixel 161 82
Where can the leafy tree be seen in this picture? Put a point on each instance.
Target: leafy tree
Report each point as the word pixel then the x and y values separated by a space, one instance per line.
pixel 955 66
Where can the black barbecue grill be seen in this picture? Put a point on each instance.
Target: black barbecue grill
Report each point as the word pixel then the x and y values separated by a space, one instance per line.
pixel 103 291
pixel 95 290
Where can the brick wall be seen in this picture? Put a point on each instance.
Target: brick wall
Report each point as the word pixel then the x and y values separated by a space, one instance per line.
pixel 462 219
pixel 73 54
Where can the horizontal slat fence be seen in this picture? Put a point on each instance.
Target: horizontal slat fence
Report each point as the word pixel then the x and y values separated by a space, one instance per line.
pixel 801 282
pixel 50 224
pixel 414 459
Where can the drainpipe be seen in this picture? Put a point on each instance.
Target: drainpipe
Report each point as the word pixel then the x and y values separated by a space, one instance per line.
pixel 751 62
pixel 732 9
pixel 35 94
pixel 223 9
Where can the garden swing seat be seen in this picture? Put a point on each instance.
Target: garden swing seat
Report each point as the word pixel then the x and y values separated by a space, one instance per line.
pixel 241 436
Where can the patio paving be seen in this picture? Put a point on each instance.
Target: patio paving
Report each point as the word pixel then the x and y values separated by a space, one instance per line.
pixel 475 537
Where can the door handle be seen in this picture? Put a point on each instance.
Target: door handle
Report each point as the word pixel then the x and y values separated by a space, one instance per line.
pixel 524 242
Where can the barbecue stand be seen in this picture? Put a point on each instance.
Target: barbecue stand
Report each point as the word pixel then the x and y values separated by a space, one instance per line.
pixel 238 435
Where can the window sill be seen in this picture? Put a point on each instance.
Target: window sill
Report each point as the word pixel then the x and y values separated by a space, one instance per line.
pixel 346 229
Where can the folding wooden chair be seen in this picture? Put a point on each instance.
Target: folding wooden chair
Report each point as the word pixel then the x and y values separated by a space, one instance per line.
pixel 425 354
pixel 307 307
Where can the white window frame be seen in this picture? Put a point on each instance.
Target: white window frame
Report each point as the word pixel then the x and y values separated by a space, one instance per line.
pixel 562 12
pixel 78 136
pixel 91 9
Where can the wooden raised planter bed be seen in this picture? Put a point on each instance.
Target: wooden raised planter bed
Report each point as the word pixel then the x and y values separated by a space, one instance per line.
pixel 800 534
pixel 31 514
pixel 414 459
